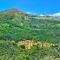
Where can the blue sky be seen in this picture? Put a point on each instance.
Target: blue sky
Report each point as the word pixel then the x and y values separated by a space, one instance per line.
pixel 34 6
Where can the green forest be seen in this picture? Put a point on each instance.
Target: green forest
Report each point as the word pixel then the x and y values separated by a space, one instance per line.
pixel 17 27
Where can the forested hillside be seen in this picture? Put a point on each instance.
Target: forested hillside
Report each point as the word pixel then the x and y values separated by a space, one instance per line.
pixel 16 26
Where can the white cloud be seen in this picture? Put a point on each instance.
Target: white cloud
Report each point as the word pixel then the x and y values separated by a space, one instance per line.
pixel 55 14
pixel 28 12
pixel 41 15
pixel 31 13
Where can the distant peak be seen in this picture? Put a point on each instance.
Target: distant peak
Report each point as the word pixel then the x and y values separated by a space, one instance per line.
pixel 13 10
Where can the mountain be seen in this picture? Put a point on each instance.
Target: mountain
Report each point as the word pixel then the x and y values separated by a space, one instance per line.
pixel 16 25
pixel 13 10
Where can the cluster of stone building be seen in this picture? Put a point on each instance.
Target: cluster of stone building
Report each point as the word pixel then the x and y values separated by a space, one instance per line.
pixel 28 44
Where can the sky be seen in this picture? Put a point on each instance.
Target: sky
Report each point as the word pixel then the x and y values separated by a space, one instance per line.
pixel 33 6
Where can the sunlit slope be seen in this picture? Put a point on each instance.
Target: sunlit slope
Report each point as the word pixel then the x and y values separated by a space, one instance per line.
pixel 18 25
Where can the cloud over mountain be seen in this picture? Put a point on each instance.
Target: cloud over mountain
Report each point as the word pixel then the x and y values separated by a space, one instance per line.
pixel 55 14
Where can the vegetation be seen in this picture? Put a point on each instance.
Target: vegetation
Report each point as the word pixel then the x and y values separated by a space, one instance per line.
pixel 15 27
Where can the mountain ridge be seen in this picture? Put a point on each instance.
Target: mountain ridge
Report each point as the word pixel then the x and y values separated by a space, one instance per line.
pixel 14 10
